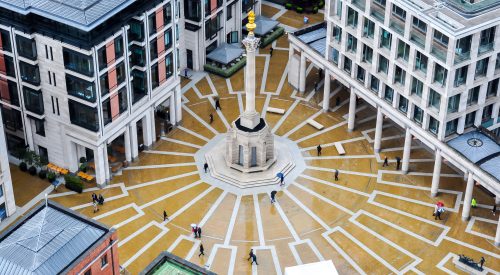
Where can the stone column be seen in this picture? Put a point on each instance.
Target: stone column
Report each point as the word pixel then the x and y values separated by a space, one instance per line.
pixel 378 130
pixel 250 117
pixel 302 73
pixel 126 140
pixel 436 174
pixel 178 105
pixel 497 236
pixel 100 166
pixel 133 141
pixel 352 111
pixel 406 151
pixel 468 197
pixel 153 125
pixel 146 130
pixel 326 92
pixel 172 110
pixel 106 162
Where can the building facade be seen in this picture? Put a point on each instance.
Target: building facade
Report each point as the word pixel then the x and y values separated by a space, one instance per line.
pixel 431 68
pixel 89 79
pixel 7 201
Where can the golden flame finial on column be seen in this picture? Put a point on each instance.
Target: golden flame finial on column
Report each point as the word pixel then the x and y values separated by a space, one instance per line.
pixel 251 22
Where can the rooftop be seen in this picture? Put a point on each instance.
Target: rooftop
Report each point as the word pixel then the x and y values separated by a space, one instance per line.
pixel 80 14
pixel 47 240
pixel 314 36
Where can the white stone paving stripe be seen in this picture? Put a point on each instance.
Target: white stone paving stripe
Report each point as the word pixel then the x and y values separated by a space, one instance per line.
pixel 193 133
pixel 173 193
pixel 342 171
pixel 140 185
pixel 258 219
pixel 338 186
pixel 340 157
pixel 168 153
pixel 286 221
pixel 199 119
pixel 274 256
pixel 482 235
pixel 321 131
pixel 342 252
pixel 333 143
pixel 232 221
pixel 188 205
pixel 155 166
pixel 219 112
pixel 181 142
pixel 283 118
pixel 302 124
pixel 332 203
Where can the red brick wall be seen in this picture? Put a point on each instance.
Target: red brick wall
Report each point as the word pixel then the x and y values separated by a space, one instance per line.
pixel 96 266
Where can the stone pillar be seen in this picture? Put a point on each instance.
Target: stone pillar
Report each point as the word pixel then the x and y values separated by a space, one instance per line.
pixel 172 110
pixel 250 118
pixel 436 174
pixel 72 155
pixel 133 141
pixel 352 111
pixel 126 140
pixel 178 104
pixel 146 130
pixel 100 166
pixel 106 163
pixel 497 236
pixel 302 73
pixel 153 125
pixel 406 151
pixel 326 92
pixel 378 130
pixel 468 197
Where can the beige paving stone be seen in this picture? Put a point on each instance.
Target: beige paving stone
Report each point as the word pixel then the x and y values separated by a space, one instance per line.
pixel 138 176
pixel 245 226
pixel 268 11
pixel 277 65
pixel 86 197
pixel 299 219
pixel 220 262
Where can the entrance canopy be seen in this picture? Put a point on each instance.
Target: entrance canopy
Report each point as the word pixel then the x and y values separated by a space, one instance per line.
pixel 264 25
pixel 225 53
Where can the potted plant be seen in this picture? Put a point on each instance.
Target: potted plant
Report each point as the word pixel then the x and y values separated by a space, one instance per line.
pixel 299 9
pixel 73 183
pixel 51 176
pixel 83 165
pixel 42 174
pixel 288 6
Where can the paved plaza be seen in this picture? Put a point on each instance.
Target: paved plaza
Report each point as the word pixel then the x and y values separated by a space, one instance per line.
pixel 373 220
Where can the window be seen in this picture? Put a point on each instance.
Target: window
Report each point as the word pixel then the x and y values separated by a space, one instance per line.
pixel 487 112
pixel 232 37
pixel 419 24
pixel 399 75
pixel 213 26
pixel 104 84
pixel 153 49
pixel 374 84
pixel 497 64
pixel 441 38
pixel 420 62
pixel 338 8
pixel 453 103
pixel 440 74
pixel 81 88
pixel 5 38
pixel 388 94
pixel 229 11
pixel 3 211
pixel 433 125
pixel 470 118
pixel 118 47
pixel 403 50
pixel 88 272
pixel 367 54
pixel 10 96
pixel 383 64
pixel 460 76
pixel 136 31
pixel 169 63
pixel 486 40
pixel 368 28
pixel 83 115
pixel 104 260
pixel 78 62
pixel 380 2
pixel 43 153
pixel 473 96
pixel 451 127
pixel 335 56
pixel 347 65
pixel 167 14
pixel 29 73
pixel 352 43
pixel 33 100
pixel 154 76
pixel 481 67
pixel 40 127
pixel 398 12
pixel 417 87
pixel 152 23
pixel 138 56
pixel 337 33
pixel 12 119
pixel 139 85
pixel 120 73
pixel 9 66
pixel 434 99
pixel 418 115
pixel 492 89
pixel 26 47
pixel 403 104
pixel 385 39
pixel 352 18
pixel 360 75
pixel 168 39
pixel 192 10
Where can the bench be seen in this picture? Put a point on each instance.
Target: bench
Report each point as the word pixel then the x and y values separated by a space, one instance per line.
pixel 85 176
pixel 339 148
pixel 57 169
pixel 315 124
pixel 275 110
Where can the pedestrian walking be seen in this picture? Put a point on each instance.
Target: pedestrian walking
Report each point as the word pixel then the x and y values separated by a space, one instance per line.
pixel 320 74
pixel 211 118
pixel 306 20
pixel 96 208
pixel 199 231
pixel 194 230
pixel 386 162
pixel 217 104
pixel 398 163
pixel 273 196
pixel 319 149
pixel 100 200
pixel 473 203
pixel 336 174
pixel 94 197
pixel 481 262
pixel 282 180
pixel 250 255
pixel 271 52
pixel 494 210
pixel 205 167
pixel 316 85
pixel 337 101
pixel 254 259
pixel 165 216
pixel 202 250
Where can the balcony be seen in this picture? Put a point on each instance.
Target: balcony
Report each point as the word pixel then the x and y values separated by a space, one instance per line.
pixel 439 52
pixel 418 38
pixel 397 27
pixel 486 47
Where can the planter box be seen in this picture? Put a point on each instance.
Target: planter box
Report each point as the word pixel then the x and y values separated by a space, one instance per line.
pixel 271 37
pixel 228 72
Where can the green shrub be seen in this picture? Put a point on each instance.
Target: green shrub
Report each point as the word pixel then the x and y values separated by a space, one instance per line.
pixel 73 183
pixel 42 174
pixel 51 176
pixel 227 72
pixel 299 9
pixel 288 6
pixel 315 10
pixel 321 4
pixel 273 36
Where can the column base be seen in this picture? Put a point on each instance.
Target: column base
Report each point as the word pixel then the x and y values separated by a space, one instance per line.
pixel 434 194
pixel 405 172
pixel 377 150
pixel 325 110
pixel 497 244
pixel 465 219
pixel 350 130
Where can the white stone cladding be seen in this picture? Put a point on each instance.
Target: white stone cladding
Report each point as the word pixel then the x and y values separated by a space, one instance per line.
pixel 5 179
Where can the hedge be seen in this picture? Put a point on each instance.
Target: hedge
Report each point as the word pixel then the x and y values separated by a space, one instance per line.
pixel 73 183
pixel 227 72
pixel 273 36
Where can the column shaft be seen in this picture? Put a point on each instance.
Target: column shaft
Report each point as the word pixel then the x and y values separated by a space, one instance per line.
pixel 146 130
pixel 133 141
pixel 126 140
pixel 406 151
pixel 468 197
pixel 302 73
pixel 100 167
pixel 497 236
pixel 153 125
pixel 178 104
pixel 172 110
pixel 378 130
pixel 352 111
pixel 250 81
pixel 436 175
pixel 326 92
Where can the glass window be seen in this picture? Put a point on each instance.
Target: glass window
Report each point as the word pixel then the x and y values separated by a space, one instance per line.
pixel 167 14
pixel 102 58
pixel 3 211
pixel 451 127
pixel 460 76
pixel 118 47
pixel 433 125
pixel 420 62
pixel 138 56
pixel 83 115
pixel 367 54
pixel 487 40
pixel 152 23
pixel 11 119
pixel 81 88
pixel 39 127
pixel 6 45
pixel 44 154
pixel 335 56
pixel 78 62
pixel 120 73
pixel 169 63
pixel 153 49
pixel 337 33
pixel 368 28
pixel 11 96
pixel 383 64
pixel 440 74
pixel 10 70
pixel 453 103
pixel 434 99
pixel 492 89
pixel 104 259
pixel 104 84
pixel 352 43
pixel 419 24
pixel 380 2
pixel 33 100
pixel 481 67
pixel 403 104
pixel 360 75
pixel 403 50
pixel 154 76
pixel 417 87
pixel 473 96
pixel 29 73
pixel 374 84
pixel 352 18
pixel 168 39
pixel 136 31
pixel 26 47
pixel 388 94
pixel 192 10
pixel 385 39
pixel 139 85
pixel 229 11
pixel 497 64
pixel 487 112
pixel 470 119
pixel 399 75
pixel 347 64
pixel 418 115
pixel 338 8
pixel 398 12
pixel 441 38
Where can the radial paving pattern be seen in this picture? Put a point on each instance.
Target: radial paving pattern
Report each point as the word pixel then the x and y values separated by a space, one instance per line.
pixel 372 220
